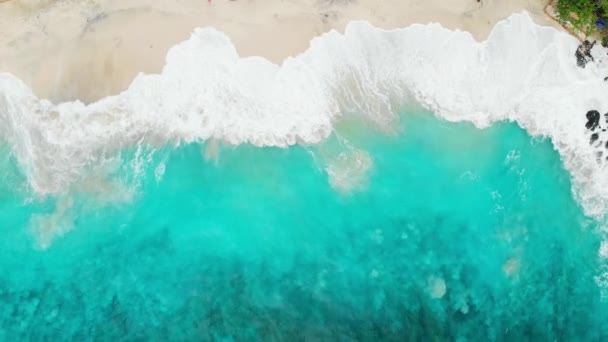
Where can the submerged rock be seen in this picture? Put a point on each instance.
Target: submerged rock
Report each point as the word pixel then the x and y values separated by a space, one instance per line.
pixel 594 138
pixel 436 287
pixel 593 119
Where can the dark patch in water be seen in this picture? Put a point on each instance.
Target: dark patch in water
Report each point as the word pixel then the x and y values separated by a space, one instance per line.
pixel 593 119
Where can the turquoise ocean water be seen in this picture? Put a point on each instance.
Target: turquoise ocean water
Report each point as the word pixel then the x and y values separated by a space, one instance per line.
pixel 452 232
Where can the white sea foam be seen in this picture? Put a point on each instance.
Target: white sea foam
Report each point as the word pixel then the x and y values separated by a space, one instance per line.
pixel 523 72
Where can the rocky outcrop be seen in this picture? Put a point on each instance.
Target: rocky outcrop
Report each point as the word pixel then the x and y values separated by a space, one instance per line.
pixel 593 120
pixel 583 53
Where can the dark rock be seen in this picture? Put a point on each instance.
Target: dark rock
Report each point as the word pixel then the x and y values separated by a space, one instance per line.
pixel 593 119
pixel 583 53
pixel 588 47
pixel 580 58
pixel 594 138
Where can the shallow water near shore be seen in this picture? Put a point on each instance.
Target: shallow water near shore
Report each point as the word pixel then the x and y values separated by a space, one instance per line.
pixel 435 231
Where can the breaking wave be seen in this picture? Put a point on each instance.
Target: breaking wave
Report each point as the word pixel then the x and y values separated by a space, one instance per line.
pixel 524 73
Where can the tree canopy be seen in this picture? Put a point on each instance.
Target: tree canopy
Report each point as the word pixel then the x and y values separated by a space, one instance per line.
pixel 583 14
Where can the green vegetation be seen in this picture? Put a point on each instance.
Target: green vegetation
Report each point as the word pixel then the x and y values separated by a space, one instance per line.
pixel 583 14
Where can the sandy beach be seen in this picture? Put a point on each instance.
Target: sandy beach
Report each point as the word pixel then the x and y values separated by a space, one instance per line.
pixel 68 50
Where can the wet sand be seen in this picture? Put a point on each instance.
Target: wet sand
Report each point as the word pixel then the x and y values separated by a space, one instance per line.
pixel 69 50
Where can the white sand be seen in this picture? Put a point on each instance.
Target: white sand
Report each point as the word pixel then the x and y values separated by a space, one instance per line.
pixel 87 50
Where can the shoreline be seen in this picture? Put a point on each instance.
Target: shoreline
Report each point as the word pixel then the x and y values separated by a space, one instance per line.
pixel 66 51
pixel 524 72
